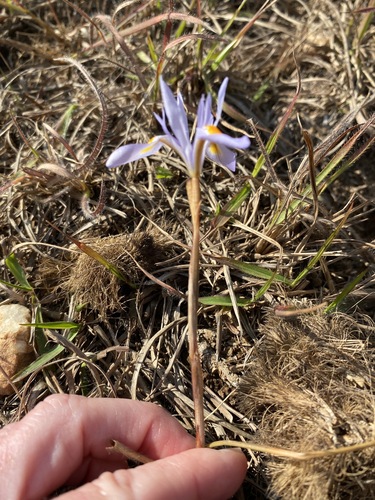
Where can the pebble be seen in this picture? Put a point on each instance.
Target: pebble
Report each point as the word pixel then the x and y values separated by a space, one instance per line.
pixel 16 352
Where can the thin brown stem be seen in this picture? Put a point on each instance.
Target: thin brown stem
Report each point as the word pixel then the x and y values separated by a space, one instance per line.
pixel 200 42
pixel 193 190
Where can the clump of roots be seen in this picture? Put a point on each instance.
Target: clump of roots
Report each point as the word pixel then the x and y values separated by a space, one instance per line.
pixel 309 386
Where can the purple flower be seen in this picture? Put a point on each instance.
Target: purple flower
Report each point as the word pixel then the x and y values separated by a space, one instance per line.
pixel 208 139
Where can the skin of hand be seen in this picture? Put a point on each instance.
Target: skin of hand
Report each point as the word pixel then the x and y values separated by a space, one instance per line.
pixel 63 441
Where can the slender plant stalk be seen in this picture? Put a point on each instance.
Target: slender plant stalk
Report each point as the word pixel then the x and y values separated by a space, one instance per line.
pixel 192 152
pixel 193 191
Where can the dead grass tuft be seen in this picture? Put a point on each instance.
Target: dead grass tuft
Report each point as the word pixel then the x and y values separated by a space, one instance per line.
pixel 96 287
pixel 309 386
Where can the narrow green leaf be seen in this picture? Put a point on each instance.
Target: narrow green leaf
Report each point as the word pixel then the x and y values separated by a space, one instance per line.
pixel 67 119
pixel 55 325
pixel 98 257
pixel 223 301
pixel 212 54
pixel 232 206
pixel 263 289
pixel 349 162
pixel 12 285
pixel 151 47
pixel 345 292
pixel 14 267
pixel 322 249
pixel 366 22
pixel 254 270
pixel 223 54
pixel 337 159
pixel 45 358
pixel 238 38
pixel 259 93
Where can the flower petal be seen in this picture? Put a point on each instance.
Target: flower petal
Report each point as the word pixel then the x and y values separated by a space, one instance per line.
pixel 176 114
pixel 162 122
pixel 208 118
pixel 200 112
pixel 133 152
pixel 220 99
pixel 204 119
pixel 213 135
pixel 173 143
pixel 222 155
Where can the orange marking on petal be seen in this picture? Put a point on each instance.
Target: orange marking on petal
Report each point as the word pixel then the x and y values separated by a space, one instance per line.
pixel 212 129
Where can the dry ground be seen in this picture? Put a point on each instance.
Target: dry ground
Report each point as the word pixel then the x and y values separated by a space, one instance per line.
pixel 78 80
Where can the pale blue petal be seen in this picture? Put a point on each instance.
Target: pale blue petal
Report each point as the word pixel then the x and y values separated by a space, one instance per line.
pixel 200 112
pixel 133 152
pixel 220 99
pixel 173 143
pixel 162 122
pixel 242 142
pixel 222 155
pixel 184 152
pixel 208 118
pixel 183 117
pixel 176 114
pixel 204 118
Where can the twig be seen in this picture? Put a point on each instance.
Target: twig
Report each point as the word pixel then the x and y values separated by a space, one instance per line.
pixel 128 453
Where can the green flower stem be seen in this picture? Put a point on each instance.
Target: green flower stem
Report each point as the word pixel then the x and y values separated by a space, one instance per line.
pixel 194 196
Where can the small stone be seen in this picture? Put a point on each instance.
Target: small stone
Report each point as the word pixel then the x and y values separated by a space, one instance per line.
pixel 16 352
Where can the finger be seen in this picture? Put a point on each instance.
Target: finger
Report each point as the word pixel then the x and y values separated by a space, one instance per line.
pixel 63 433
pixel 198 474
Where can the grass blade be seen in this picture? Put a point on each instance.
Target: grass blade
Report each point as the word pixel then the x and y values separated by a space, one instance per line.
pixel 345 292
pixel 15 268
pixel 323 248
pixel 231 207
pixel 223 301
pixel 253 270
pixel 48 356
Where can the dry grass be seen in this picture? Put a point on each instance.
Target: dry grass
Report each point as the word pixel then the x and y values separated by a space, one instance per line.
pixel 92 284
pixel 60 120
pixel 309 386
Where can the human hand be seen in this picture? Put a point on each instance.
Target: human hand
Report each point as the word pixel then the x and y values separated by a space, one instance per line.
pixel 63 441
